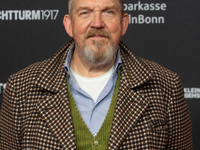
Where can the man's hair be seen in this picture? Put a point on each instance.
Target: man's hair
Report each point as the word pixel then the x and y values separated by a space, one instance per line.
pixel 71 4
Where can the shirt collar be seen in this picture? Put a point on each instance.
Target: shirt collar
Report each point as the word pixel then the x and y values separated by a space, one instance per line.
pixel 117 64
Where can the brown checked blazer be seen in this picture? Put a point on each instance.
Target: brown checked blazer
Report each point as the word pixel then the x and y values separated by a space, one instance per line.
pixel 151 112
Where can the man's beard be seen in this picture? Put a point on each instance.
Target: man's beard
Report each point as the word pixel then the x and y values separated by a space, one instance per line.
pixel 98 56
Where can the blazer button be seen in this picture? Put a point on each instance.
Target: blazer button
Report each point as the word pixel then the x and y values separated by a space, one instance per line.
pixel 96 143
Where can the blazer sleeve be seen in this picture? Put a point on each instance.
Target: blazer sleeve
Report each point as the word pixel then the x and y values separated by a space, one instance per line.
pixel 179 121
pixel 10 118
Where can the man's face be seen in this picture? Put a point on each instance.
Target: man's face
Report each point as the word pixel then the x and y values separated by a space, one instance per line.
pixel 97 27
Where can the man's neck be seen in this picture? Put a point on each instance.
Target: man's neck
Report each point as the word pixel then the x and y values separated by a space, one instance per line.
pixel 82 67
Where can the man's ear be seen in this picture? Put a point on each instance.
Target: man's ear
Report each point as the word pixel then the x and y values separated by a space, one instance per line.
pixel 125 22
pixel 67 22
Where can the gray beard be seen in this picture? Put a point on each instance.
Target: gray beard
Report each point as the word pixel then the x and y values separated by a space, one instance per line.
pixel 98 58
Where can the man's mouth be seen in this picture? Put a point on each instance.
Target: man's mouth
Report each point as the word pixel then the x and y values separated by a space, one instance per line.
pixel 97 36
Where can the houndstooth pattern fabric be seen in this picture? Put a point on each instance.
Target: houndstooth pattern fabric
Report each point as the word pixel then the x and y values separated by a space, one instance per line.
pixel 151 112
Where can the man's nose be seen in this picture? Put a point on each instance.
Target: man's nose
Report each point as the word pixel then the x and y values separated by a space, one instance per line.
pixel 97 20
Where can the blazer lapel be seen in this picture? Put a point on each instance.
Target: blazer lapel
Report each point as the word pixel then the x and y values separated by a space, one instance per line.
pixel 130 104
pixel 54 107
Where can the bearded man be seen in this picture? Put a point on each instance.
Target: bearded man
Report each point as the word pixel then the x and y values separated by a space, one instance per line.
pixel 95 93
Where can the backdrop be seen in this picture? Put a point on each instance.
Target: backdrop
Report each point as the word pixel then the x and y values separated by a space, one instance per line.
pixel 165 31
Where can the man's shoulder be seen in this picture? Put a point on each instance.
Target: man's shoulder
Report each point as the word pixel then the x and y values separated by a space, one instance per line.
pixel 30 72
pixel 156 67
pixel 37 68
pixel 143 65
pixel 160 73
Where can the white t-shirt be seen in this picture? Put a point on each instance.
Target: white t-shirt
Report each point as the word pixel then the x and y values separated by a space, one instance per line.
pixel 93 86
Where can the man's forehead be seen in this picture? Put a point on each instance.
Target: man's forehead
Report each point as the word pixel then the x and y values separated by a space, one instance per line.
pixel 93 3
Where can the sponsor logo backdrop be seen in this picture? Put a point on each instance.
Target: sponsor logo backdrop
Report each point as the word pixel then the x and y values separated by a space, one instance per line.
pixel 166 31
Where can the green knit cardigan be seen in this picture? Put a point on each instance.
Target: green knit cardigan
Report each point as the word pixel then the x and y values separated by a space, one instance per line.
pixel 84 138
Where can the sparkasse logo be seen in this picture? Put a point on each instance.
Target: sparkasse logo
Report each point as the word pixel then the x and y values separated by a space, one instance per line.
pixel 136 11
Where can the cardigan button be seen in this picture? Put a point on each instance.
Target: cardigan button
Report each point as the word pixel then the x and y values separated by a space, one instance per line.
pixel 96 143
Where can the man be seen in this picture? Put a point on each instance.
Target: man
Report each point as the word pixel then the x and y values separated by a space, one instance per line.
pixel 94 93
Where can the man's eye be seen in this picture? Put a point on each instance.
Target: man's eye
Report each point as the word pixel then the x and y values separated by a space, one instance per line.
pixel 108 11
pixel 85 12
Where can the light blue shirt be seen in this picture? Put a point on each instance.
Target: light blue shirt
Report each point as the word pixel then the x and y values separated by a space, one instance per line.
pixel 92 113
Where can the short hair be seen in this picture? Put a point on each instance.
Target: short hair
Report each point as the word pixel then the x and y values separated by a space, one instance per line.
pixel 71 4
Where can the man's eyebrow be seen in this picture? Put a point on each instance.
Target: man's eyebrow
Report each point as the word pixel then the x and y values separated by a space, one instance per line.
pixel 83 8
pixel 110 7
pixel 90 8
